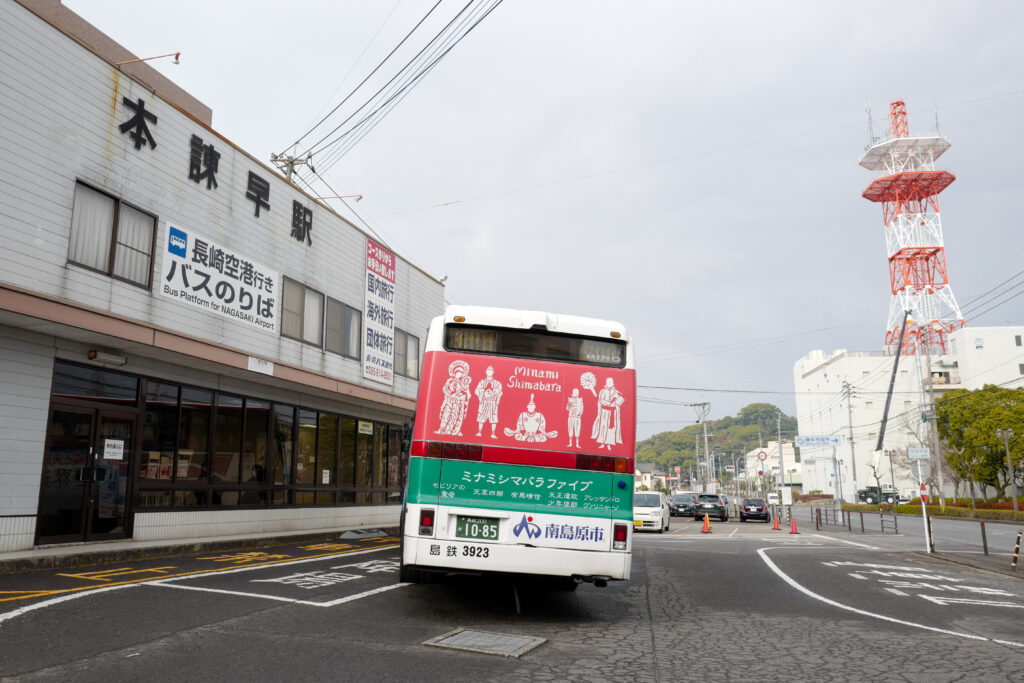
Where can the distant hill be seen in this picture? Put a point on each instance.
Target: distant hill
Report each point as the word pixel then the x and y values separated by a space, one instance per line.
pixel 732 435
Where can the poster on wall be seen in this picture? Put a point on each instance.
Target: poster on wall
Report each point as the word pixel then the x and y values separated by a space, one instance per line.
pixel 379 315
pixel 203 274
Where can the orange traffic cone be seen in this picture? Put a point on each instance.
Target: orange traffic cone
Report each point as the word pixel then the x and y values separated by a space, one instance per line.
pixel 775 524
pixel 792 526
pixel 707 525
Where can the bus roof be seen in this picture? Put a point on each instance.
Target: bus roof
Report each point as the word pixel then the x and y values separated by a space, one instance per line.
pixel 525 320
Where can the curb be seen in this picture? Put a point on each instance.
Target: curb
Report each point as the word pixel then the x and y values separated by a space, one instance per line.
pixel 41 559
pixel 968 563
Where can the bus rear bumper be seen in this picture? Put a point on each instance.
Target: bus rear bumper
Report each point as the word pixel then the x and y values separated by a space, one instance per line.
pixel 478 558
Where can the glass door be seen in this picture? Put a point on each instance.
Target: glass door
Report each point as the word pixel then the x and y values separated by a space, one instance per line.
pixel 67 476
pixel 84 495
pixel 108 501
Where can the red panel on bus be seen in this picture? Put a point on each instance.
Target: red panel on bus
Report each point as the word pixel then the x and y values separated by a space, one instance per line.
pixel 518 403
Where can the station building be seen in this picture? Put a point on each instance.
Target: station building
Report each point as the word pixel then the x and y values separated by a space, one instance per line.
pixel 190 345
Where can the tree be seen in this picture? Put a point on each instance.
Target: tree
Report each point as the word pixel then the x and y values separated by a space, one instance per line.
pixel 967 422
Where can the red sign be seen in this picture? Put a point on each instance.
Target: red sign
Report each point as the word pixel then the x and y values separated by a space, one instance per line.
pixel 677 469
pixel 520 403
pixel 762 456
pixel 924 494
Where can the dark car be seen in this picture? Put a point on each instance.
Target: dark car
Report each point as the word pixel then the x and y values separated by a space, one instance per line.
pixel 754 508
pixel 681 505
pixel 710 504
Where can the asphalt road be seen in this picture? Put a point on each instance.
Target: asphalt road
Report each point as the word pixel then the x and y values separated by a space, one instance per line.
pixel 744 602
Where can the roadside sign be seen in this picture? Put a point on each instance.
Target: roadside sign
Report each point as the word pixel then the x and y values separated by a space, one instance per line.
pixel 730 468
pixel 924 493
pixel 918 453
pixel 762 456
pixel 760 473
pixel 920 469
pixel 677 469
pixel 787 495
pixel 714 480
pixel 813 441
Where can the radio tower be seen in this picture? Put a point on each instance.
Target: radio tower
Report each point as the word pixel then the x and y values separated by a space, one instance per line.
pixel 908 191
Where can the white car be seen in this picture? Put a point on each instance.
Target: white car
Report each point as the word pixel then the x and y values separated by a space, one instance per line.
pixel 773 498
pixel 650 511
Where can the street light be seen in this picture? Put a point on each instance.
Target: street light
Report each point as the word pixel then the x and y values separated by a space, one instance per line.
pixel 1006 435
pixel 176 56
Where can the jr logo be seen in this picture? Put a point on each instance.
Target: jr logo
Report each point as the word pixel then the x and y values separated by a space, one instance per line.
pixel 527 525
pixel 177 242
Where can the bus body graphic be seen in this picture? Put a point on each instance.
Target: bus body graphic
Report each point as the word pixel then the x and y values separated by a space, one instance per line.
pixel 521 463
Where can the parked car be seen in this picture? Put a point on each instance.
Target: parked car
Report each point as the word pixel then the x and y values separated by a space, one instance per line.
pixel 650 511
pixel 710 504
pixel 754 508
pixel 681 505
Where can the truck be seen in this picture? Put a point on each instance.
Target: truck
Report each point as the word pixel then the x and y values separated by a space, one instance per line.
pixel 871 495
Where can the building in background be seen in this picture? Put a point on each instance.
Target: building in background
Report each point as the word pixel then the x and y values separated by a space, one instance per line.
pixel 844 395
pixel 190 345
pixel 761 473
pixel 648 477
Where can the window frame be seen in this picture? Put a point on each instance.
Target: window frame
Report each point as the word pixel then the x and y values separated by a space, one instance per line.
pixel 112 247
pixel 400 332
pixel 302 318
pixel 358 354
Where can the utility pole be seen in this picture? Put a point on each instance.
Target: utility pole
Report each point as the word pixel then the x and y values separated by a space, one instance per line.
pixel 933 428
pixel 782 461
pixel 848 388
pixel 287 163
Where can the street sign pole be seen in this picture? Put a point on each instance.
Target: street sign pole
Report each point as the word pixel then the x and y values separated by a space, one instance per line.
pixel 924 516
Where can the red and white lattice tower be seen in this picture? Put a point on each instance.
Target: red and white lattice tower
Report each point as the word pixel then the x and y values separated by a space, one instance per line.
pixel 908 191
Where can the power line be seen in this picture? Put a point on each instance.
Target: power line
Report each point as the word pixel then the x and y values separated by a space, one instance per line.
pixel 375 69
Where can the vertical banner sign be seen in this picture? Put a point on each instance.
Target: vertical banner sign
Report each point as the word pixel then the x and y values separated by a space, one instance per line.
pixel 379 314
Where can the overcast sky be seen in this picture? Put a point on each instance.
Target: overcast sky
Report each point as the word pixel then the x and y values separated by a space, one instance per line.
pixel 686 168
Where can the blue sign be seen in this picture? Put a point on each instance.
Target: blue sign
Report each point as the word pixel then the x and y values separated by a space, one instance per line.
pixel 177 242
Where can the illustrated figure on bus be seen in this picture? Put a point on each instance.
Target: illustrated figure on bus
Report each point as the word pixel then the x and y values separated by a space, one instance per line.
pixel 575 408
pixel 456 398
pixel 607 427
pixel 488 391
pixel 531 426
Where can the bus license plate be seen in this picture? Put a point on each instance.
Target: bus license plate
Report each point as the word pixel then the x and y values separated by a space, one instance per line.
pixel 485 528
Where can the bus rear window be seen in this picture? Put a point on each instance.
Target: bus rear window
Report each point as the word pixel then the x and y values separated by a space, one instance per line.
pixel 535 344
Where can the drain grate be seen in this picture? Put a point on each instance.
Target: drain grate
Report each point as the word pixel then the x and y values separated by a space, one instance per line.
pixel 503 644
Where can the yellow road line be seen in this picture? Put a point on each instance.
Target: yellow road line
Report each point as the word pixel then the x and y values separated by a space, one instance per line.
pixel 164 577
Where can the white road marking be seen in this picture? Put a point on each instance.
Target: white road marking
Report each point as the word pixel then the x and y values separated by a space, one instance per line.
pixel 54 601
pixel 806 591
pixel 330 603
pixel 858 576
pixel 896 591
pixel 73 596
pixel 734 531
pixel 843 540
pixel 969 601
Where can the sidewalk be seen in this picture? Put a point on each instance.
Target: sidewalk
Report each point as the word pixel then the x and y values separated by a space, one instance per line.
pixel 110 552
pixel 994 562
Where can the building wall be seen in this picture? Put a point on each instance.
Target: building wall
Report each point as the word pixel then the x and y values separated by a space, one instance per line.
pixel 64 127
pixel 989 355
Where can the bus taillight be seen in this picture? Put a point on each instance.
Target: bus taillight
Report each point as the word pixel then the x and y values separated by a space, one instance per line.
pixel 600 463
pixel 618 537
pixel 427 523
pixel 455 451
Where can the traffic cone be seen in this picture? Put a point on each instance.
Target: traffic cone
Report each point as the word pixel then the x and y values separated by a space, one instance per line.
pixel 775 524
pixel 792 526
pixel 707 525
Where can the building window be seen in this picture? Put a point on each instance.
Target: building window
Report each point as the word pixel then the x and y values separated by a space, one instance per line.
pixel 111 237
pixel 869 404
pixel 302 315
pixel 1017 340
pixel 343 329
pixel 407 354
pixel 1021 368
pixel 906 404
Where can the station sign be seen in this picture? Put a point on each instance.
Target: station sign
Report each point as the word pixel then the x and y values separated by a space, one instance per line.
pixel 918 453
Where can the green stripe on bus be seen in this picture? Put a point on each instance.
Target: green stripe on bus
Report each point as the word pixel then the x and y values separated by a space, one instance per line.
pixel 520 488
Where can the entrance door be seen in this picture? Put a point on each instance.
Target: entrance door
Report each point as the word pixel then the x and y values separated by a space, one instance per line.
pixel 85 476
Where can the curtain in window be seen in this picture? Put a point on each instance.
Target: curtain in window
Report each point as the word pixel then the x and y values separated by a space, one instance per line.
pixel 412 357
pixel 335 341
pixel 313 317
pixel 92 222
pixel 291 310
pixel 353 323
pixel 134 241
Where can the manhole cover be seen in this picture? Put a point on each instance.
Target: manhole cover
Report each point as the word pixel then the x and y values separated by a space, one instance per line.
pixel 503 644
